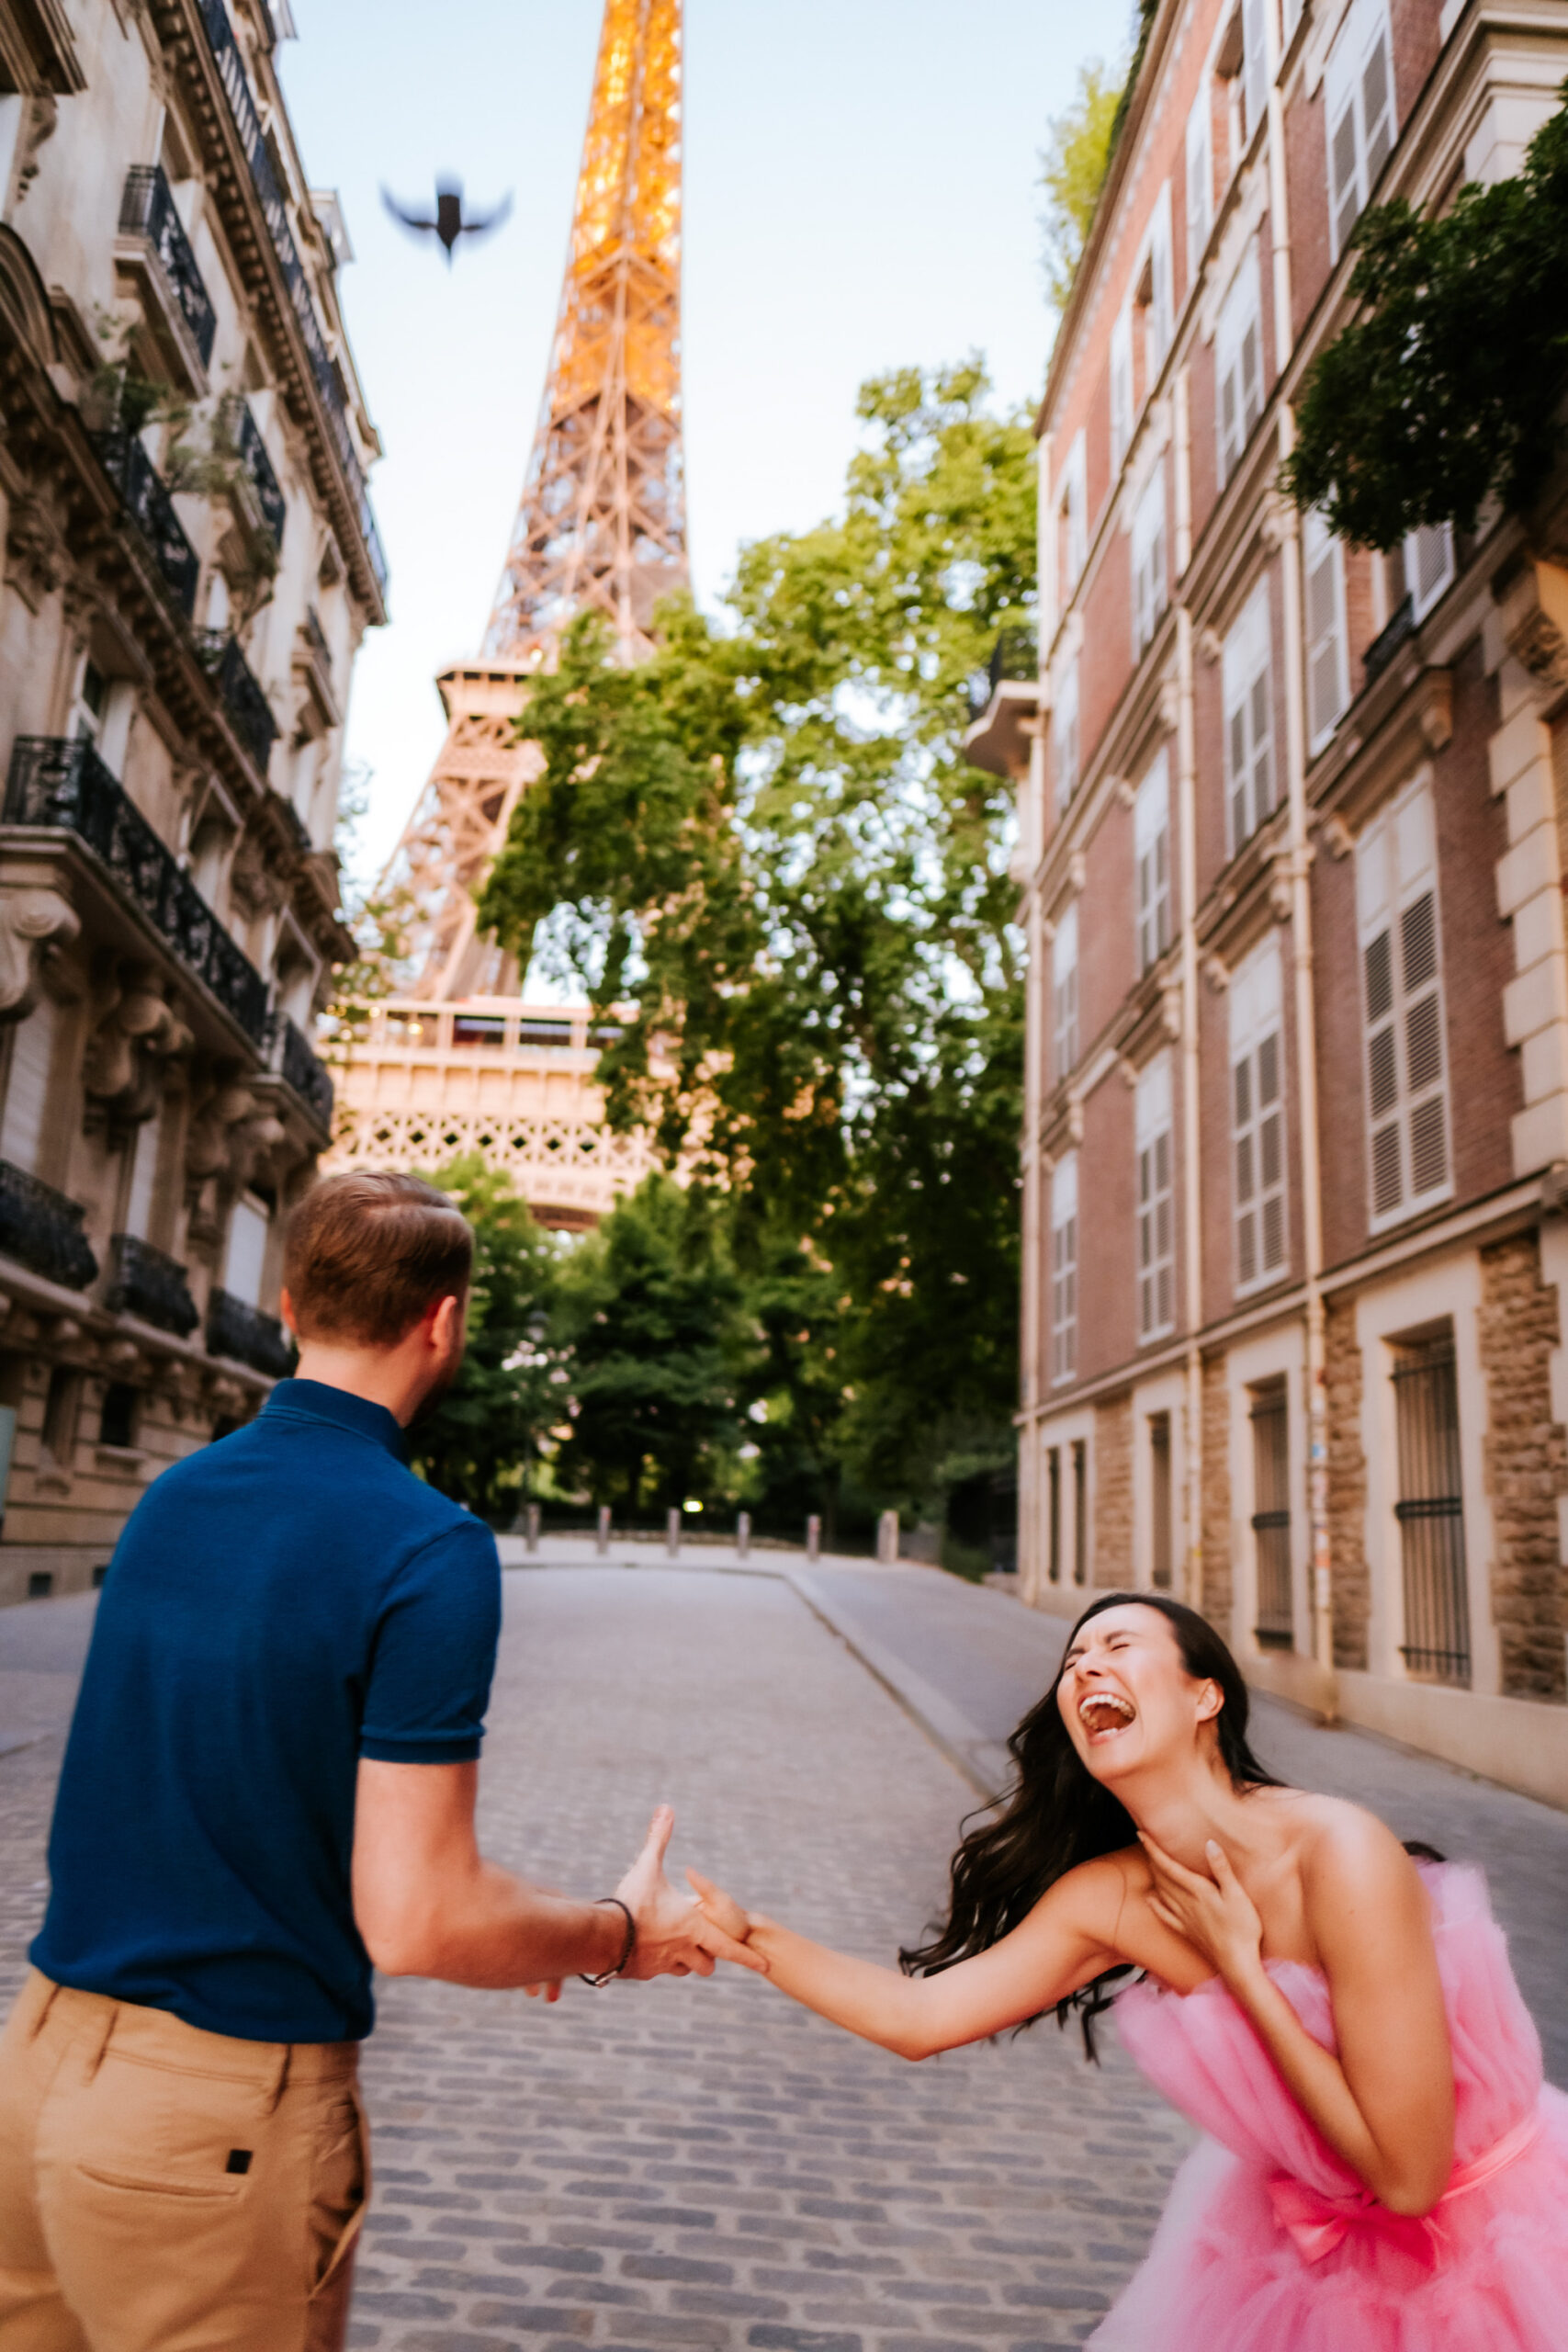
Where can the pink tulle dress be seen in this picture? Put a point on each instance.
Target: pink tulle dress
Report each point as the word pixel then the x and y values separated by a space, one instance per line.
pixel 1269 2244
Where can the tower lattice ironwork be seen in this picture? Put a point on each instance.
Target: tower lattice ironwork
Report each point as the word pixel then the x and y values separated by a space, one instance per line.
pixel 601 525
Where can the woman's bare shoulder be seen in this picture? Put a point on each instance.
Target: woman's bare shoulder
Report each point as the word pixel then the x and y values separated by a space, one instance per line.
pixel 1347 1853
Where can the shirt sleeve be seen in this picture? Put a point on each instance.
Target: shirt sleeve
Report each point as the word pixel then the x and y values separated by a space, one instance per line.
pixel 435 1654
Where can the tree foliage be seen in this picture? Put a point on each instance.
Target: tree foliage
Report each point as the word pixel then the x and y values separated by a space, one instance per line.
pixel 649 1310
pixel 1073 164
pixel 1447 388
pixel 766 840
pixel 482 1443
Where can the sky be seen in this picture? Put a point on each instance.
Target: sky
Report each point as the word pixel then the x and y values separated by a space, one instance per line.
pixel 860 194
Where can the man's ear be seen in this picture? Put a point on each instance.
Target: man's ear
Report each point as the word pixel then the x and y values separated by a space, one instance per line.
pixel 445 1320
pixel 286 1309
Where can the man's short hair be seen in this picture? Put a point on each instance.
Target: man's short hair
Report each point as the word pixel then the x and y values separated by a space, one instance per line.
pixel 368 1253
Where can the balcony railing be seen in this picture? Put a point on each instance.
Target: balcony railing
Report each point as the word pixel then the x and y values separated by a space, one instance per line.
pixel 147 209
pixel 1014 655
pixel 42 1229
pixel 1387 643
pixel 247 1335
pixel 149 1285
pixel 300 1069
pixel 247 706
pixel 237 429
pixel 151 509
pixel 242 107
pixel 56 783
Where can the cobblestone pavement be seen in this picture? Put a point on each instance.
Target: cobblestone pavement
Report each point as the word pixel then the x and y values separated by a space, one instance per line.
pixel 702 2165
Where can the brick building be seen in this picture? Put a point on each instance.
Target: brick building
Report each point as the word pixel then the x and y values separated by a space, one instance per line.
pixel 189 564
pixel 1292 849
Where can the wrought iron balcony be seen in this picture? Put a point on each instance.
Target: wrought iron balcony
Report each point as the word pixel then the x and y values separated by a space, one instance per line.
pixel 151 509
pixel 237 429
pixel 243 1332
pixel 302 1070
pixel 149 1285
pixel 42 1229
pixel 147 211
pixel 1014 655
pixel 65 784
pixel 242 107
pixel 247 706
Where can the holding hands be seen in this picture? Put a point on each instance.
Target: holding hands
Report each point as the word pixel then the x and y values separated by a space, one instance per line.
pixel 676 1936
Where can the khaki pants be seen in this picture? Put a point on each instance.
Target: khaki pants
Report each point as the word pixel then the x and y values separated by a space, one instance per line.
pixel 167 2190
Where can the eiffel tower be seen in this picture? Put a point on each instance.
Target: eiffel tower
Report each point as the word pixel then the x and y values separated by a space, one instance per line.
pixel 459 1063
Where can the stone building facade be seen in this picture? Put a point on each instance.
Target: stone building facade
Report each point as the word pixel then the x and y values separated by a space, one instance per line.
pixel 1292 863
pixel 189 564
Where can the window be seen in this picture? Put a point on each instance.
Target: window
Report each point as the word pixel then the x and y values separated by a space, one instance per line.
pixel 1358 90
pixel 1249 746
pixel 26 1086
pixel 1160 1529
pixel 1080 1511
pixel 1269 1416
pixel 1407 1112
pixel 1155 298
pixel 1428 566
pixel 1074 515
pixel 1329 682
pixel 1148 560
pixel 1151 852
pixel 1257 1119
pixel 143 1170
pixel 1065 1269
pixel 117 1420
pixel 1064 991
pixel 247 1250
pixel 59 1437
pixel 1238 363
pixel 92 702
pixel 1255 64
pixel 1431 1511
pixel 1054 1513
pixel 1064 735
pixel 1120 387
pixel 1156 1222
pixel 1200 179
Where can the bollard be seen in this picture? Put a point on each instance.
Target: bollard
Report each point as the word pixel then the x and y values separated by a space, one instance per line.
pixel 812 1537
pixel 672 1533
pixel 532 1526
pixel 887 1536
pixel 602 1537
pixel 743 1536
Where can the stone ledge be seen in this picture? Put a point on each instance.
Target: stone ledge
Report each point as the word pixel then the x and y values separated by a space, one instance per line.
pixel 1520 1743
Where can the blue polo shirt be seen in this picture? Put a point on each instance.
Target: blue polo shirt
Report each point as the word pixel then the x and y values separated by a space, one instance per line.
pixel 280 1605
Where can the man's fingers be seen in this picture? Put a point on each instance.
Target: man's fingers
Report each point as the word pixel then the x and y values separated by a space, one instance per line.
pixel 720 1907
pixel 660 1829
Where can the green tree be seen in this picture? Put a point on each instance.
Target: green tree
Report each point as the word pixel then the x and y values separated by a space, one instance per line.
pixel 1073 164
pixel 649 1310
pixel 767 838
pixel 1448 387
pixel 483 1440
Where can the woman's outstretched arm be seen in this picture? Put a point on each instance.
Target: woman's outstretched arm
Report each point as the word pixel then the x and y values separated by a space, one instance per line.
pixel 1385 2102
pixel 1066 1940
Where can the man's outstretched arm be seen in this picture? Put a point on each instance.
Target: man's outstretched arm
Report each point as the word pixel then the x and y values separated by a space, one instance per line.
pixel 427 1903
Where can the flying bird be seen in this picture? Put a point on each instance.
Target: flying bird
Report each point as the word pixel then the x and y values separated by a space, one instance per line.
pixel 448 223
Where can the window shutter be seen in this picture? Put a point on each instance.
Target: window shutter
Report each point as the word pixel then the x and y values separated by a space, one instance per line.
pixel 1200 181
pixel 1148 561
pixel 1258 1118
pixel 1151 849
pixel 1428 565
pixel 143 1169
pixel 32 1058
pixel 1377 107
pixel 1402 1009
pixel 1255 63
pixel 1064 735
pixel 1065 1269
pixel 1344 179
pixel 1249 759
pixel 1238 364
pixel 1328 684
pixel 1156 1224
pixel 1251 372
pixel 1120 387
pixel 1065 990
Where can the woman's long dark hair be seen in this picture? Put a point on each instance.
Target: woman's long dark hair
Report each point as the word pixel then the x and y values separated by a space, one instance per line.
pixel 1057 1815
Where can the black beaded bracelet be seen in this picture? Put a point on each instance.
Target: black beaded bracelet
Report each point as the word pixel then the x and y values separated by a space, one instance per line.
pixel 628 1948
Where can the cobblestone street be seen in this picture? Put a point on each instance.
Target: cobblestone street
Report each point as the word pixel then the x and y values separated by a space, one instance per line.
pixel 700 2164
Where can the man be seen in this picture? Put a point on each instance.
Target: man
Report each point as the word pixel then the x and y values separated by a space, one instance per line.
pixel 269 1786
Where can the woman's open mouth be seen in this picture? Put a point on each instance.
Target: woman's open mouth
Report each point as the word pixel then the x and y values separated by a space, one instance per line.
pixel 1105 1713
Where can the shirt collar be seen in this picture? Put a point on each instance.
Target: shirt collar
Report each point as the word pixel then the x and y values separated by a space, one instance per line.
pixel 313 1400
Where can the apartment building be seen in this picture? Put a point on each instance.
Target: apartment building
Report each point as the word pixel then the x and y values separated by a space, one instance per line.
pixel 189 563
pixel 1292 852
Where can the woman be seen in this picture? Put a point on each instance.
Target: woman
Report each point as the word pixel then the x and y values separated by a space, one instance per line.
pixel 1385 2167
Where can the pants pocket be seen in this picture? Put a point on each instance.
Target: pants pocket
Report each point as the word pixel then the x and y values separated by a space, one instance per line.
pixel 340 2188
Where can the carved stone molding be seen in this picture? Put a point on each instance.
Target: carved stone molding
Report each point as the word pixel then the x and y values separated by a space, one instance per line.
pixel 1217 973
pixel 41 115
pixel 211 1137
pixel 1337 838
pixel 1171 1008
pixel 137 1024
pixel 1533 603
pixel 1170 705
pixel 32 922
pixel 35 549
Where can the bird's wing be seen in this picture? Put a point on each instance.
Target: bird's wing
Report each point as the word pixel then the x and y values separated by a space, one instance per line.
pixel 483 222
pixel 409 220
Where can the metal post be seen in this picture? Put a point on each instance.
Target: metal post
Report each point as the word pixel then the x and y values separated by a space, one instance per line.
pixel 887 1536
pixel 743 1536
pixel 672 1533
pixel 601 1539
pixel 812 1537
pixel 532 1537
